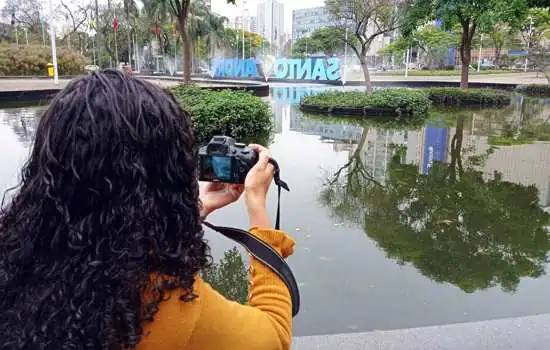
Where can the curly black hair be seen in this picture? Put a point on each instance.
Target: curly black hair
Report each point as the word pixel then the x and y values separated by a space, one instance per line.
pixel 107 211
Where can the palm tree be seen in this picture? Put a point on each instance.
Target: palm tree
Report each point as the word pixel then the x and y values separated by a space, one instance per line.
pixel 204 25
pixel 180 11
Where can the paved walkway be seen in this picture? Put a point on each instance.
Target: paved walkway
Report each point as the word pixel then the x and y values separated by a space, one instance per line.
pixel 47 84
pixel 504 78
pixel 531 332
pixel 512 78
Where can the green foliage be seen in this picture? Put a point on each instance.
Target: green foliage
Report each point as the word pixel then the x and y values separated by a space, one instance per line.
pixel 505 141
pixel 442 72
pixel 34 59
pixel 515 134
pixel 329 40
pixel 473 97
pixel 539 90
pixel 470 16
pixel 229 276
pixel 432 41
pixel 253 42
pixel 238 114
pixel 406 102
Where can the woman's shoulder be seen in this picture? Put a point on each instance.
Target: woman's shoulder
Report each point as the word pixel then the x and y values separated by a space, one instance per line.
pixel 277 239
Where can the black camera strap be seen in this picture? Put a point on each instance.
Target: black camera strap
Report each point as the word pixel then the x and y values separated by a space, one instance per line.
pixel 263 251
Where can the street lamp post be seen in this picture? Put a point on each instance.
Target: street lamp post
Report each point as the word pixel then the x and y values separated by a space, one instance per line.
pixel 345 57
pixel 407 59
pixel 54 53
pixel 528 42
pixel 479 54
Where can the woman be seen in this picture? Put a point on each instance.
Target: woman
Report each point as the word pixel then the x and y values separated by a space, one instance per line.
pixel 101 246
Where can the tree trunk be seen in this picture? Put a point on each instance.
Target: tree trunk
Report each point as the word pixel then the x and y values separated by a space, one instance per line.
pixel 465 55
pixel 498 50
pixel 456 149
pixel 365 68
pixel 186 53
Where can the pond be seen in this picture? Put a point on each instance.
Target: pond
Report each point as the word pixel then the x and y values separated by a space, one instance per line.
pixel 397 227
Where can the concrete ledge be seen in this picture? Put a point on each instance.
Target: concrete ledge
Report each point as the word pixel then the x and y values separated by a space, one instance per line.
pixel 22 96
pixel 531 332
pixel 386 83
pixel 38 89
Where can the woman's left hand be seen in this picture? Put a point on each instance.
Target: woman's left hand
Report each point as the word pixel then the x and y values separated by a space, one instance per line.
pixel 216 195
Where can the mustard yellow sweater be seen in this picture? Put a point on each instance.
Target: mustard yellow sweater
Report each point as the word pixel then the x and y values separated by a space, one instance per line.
pixel 212 322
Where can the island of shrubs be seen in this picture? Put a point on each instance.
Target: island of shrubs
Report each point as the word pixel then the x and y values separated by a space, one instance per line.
pixel 401 103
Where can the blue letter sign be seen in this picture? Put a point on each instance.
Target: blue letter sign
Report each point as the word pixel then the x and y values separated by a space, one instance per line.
pixel 318 68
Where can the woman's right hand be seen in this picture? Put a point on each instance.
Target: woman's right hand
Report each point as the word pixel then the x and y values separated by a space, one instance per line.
pixel 256 185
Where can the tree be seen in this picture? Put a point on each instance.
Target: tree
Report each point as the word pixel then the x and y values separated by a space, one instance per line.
pixel 434 42
pixel 252 42
pixel 501 34
pixel 454 225
pixel 105 29
pixel 24 13
pixel 205 28
pixel 329 41
pixel 535 34
pixel 367 20
pixel 471 16
pixel 179 9
pixel 77 16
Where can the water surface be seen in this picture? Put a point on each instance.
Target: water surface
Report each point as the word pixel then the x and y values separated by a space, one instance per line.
pixel 397 227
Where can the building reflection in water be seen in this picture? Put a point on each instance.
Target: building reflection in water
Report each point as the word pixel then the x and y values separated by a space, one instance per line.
pixel 461 210
pixel 528 164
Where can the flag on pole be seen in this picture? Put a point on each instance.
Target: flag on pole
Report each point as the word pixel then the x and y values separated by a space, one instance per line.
pixel 115 24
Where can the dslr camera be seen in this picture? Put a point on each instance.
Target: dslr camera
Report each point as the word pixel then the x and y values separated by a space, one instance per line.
pixel 224 160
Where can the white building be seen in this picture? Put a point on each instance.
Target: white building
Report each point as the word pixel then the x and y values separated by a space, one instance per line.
pixel 250 23
pixel 271 23
pixel 306 21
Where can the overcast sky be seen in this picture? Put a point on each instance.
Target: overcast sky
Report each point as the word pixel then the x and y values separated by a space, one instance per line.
pixel 221 7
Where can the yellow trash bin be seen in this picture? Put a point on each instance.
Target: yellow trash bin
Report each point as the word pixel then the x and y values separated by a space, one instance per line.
pixel 50 70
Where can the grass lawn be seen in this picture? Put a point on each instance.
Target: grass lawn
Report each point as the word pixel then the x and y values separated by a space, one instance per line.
pixel 420 73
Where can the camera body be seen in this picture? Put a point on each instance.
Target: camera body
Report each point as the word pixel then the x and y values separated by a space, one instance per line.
pixel 224 160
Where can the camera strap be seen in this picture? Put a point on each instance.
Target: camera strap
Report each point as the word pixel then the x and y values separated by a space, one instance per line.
pixel 263 251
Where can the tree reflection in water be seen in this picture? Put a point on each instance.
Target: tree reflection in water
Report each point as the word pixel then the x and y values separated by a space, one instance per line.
pixel 452 224
pixel 229 276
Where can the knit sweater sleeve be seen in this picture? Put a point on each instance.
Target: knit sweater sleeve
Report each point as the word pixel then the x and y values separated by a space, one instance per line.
pixel 265 323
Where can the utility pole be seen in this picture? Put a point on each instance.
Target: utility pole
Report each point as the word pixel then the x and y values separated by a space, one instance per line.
pixel 97 35
pixel 243 19
pixel 54 53
pixel 42 25
pixel 479 54
pixel 127 10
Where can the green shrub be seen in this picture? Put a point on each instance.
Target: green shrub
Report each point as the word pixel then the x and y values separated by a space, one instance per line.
pixel 405 102
pixel 457 97
pixel 34 59
pixel 539 90
pixel 238 114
